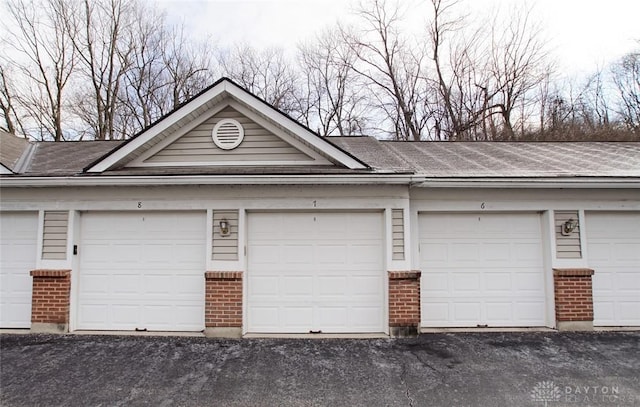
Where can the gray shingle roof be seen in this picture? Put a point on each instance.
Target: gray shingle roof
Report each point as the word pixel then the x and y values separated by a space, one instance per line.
pixel 66 158
pixel 428 159
pixel 499 159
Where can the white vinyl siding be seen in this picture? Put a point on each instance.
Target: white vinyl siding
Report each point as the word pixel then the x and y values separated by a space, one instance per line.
pixel 18 252
pixel 567 247
pixel 315 272
pixel 225 247
pixel 613 243
pixel 481 270
pixel 259 144
pixel 397 224
pixel 142 270
pixel 54 240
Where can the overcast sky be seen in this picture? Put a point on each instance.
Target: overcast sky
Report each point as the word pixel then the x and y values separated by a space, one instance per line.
pixel 583 34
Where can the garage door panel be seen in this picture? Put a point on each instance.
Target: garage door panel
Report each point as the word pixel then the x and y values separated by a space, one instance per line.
pixel 325 267
pixel 626 254
pixel 366 286
pixel 628 282
pixel 468 312
pixel 18 253
pixel 264 287
pixel 499 312
pixel 142 270
pixel 297 286
pixel 433 253
pixel 331 286
pixel 123 284
pixel 630 312
pixel 467 282
pixel 366 255
pixel 93 315
pixel 296 253
pixel 613 247
pixel 332 318
pixel 332 254
pixel 359 317
pixel 527 254
pixel 497 283
pixel 528 311
pixel 435 284
pixel 297 317
pixel 124 316
pixel 438 313
pixel 495 252
pixel 464 252
pixel 528 281
pixel 484 271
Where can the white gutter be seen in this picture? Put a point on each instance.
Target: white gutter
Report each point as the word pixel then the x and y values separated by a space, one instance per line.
pixel 558 182
pixel 330 179
pixel 205 180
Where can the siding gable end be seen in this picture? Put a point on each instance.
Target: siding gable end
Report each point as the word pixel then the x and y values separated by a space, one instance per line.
pixel 260 146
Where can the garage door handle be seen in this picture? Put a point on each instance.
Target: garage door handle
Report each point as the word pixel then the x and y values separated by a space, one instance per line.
pixel 315 332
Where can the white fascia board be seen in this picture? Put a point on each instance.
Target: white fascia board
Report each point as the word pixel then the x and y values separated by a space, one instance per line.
pixel 156 129
pixel 586 182
pixel 297 129
pixel 368 179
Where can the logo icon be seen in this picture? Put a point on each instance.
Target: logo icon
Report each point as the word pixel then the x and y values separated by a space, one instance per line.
pixel 545 392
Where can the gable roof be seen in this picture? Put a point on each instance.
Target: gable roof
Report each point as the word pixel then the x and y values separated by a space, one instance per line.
pixel 219 95
pixel 163 154
pixel 608 164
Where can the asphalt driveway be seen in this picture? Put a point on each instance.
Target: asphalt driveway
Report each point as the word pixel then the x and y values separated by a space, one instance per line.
pixel 461 369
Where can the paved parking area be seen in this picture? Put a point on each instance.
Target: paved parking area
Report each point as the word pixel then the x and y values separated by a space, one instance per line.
pixel 446 369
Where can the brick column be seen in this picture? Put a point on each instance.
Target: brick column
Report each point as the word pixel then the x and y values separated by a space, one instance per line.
pixel 223 304
pixel 50 300
pixel 404 303
pixel 574 299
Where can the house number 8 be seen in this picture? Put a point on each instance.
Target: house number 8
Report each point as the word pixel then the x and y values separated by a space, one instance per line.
pixel 139 205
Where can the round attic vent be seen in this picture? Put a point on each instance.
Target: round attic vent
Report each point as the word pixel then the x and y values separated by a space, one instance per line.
pixel 228 134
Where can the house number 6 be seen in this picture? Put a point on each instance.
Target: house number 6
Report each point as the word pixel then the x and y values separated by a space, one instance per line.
pixel 482 205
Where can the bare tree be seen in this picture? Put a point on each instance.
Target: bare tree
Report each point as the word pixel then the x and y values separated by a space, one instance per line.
pixel 267 74
pixel 626 77
pixel 189 65
pixel 145 77
pixel 8 111
pixel 331 98
pixel 46 59
pixel 393 67
pixel 449 124
pixel 104 46
pixel 518 63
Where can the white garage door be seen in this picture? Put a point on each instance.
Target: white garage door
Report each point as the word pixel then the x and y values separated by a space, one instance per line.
pixel 315 272
pixel 481 269
pixel 142 271
pixel 613 244
pixel 18 241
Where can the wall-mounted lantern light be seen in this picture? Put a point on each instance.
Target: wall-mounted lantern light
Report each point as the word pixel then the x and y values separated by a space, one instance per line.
pixel 224 227
pixel 568 227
